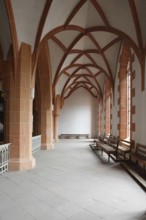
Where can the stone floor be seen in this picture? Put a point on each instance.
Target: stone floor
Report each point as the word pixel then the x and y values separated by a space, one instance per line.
pixel 71 182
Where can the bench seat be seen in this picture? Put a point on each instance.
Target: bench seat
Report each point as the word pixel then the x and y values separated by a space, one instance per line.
pixel 110 148
pixel 107 148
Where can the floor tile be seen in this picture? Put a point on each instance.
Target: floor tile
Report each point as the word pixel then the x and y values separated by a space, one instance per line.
pixel 71 182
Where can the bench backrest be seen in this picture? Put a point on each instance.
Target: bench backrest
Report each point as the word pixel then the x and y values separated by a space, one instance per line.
pixel 100 137
pixel 113 141
pixel 106 138
pixel 125 144
pixel 141 151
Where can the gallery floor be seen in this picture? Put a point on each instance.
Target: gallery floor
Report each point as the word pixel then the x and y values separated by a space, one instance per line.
pixel 71 182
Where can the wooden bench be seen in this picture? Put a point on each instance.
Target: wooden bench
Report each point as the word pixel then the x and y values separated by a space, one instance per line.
pixel 74 136
pixel 94 145
pixel 139 155
pixel 100 138
pixel 110 148
pixel 124 148
pixel 106 138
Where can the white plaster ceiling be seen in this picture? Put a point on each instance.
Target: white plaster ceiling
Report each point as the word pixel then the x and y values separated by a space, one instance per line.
pixel 84 37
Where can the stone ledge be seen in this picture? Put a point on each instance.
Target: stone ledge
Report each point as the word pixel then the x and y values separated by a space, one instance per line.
pixel 74 136
pixel 140 179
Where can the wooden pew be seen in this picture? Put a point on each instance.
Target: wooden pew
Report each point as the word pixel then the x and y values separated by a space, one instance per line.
pixel 94 145
pixel 139 155
pixel 110 148
pixel 106 138
pixel 124 148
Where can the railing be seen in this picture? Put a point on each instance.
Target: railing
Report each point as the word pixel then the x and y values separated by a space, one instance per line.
pixel 4 152
pixel 4 157
pixel 36 143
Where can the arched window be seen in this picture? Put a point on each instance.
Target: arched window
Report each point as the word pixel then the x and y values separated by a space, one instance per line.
pixel 99 115
pixel 128 101
pixel 107 107
pixel 125 94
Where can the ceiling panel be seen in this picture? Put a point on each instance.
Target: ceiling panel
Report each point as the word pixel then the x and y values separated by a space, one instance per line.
pixel 55 57
pixel 119 16
pixel 27 16
pixel 67 36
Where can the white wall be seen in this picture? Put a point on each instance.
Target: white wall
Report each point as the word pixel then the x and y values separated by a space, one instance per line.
pixel 79 114
pixel 139 101
pixel 140 107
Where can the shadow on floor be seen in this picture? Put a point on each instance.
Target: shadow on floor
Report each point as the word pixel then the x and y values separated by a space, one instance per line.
pixel 137 172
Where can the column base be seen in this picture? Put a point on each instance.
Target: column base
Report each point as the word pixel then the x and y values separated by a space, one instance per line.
pixel 56 139
pixel 47 146
pixel 21 164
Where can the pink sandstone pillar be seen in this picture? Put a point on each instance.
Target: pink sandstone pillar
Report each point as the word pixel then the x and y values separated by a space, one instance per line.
pixel 19 111
pixel 56 116
pixel 46 119
pixel 46 127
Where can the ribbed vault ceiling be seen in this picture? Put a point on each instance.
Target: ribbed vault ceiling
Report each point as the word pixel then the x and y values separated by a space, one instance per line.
pixel 84 38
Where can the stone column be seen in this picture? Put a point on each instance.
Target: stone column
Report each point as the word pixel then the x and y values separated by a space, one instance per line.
pixel 56 127
pixel 19 112
pixel 46 127
pixel 56 116
pixel 46 124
